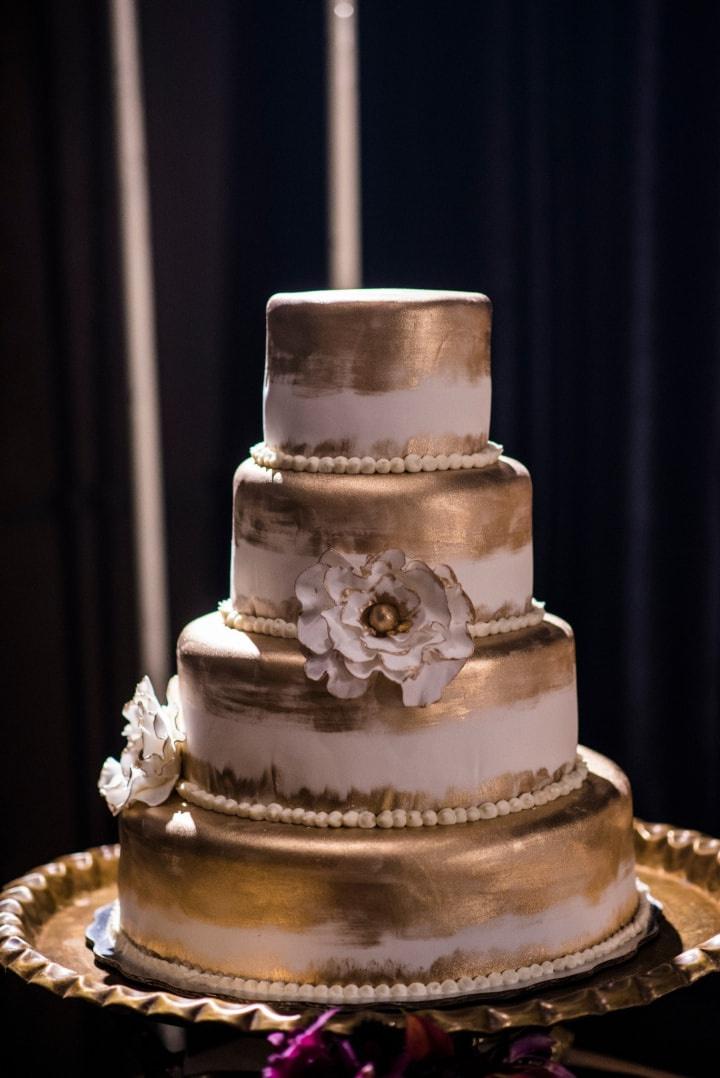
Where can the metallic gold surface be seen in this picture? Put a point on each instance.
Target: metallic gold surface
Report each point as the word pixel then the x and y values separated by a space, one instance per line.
pixel 376 340
pixel 430 515
pixel 251 677
pixel 44 915
pixel 369 886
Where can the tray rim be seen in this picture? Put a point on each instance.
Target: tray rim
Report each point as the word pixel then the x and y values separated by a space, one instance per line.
pixel 30 901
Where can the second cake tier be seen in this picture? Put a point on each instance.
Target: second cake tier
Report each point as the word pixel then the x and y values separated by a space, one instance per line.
pixel 477 521
pixel 259 729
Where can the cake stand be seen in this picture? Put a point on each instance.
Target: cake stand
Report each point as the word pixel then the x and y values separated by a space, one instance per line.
pixel 44 916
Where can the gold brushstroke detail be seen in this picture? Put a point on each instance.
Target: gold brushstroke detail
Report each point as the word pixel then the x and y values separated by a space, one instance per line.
pixel 376 343
pixel 253 678
pixel 414 884
pixel 434 982
pixel 46 912
pixel 430 515
pixel 430 444
pixel 272 787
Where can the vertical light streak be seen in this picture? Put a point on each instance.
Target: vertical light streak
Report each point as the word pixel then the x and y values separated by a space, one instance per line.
pixel 343 127
pixel 139 315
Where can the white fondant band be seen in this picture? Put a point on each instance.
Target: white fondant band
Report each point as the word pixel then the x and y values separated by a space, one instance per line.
pixel 267 457
pixel 249 623
pixel 363 818
pixel 139 959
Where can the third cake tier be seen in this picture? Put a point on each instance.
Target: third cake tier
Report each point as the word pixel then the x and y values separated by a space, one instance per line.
pixel 258 729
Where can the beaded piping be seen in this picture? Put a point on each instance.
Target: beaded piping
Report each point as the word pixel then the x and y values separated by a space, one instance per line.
pixel 164 969
pixel 267 457
pixel 249 623
pixel 390 818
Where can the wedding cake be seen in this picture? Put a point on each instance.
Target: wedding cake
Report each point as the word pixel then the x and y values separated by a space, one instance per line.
pixel 365 783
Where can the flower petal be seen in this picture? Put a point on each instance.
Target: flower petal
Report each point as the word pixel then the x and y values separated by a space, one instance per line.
pixel 427 685
pixel 316 666
pixel 151 792
pixel 401 662
pixel 394 559
pixel 149 764
pixel 352 609
pixel 114 785
pixel 363 670
pixel 312 631
pixel 405 597
pixel 458 644
pixel 342 684
pixel 346 639
pixel 430 591
pixel 459 605
pixel 338 581
pixel 310 589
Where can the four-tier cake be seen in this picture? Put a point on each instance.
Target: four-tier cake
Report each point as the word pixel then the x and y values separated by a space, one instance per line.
pixel 365 783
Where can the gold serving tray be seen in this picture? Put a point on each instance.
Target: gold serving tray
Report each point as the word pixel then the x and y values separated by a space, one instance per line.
pixel 44 916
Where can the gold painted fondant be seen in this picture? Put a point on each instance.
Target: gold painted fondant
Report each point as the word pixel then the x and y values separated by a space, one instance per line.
pixel 273 788
pixel 371 885
pixel 375 342
pixel 251 677
pixel 388 447
pixel 433 516
pixel 248 680
pixel 429 515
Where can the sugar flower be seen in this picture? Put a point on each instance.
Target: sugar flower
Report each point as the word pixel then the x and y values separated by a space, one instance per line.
pixel 149 765
pixel 383 613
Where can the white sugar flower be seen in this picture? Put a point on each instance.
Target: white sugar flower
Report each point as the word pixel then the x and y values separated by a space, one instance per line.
pixel 387 614
pixel 149 765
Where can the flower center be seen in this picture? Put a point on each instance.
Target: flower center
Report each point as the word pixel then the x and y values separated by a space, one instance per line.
pixel 384 617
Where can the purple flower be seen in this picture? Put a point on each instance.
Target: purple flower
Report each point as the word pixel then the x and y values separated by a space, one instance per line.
pixel 421 1050
pixel 530 1056
pixel 314 1052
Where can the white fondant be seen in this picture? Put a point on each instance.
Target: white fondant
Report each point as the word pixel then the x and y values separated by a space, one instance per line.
pixel 268 457
pixel 503 580
pixel 265 577
pixel 437 408
pixel 559 930
pixel 457 753
pixel 396 818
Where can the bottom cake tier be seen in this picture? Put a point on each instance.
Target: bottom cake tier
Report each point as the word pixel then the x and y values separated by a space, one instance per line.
pixel 214 903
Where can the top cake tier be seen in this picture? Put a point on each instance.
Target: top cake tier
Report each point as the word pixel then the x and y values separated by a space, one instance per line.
pixel 377 372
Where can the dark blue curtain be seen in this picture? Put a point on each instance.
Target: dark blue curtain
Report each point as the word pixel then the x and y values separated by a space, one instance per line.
pixel 565 158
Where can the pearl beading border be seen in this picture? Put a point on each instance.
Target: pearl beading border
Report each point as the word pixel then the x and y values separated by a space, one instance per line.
pixel 267 457
pixel 250 623
pixel 497 980
pixel 389 818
